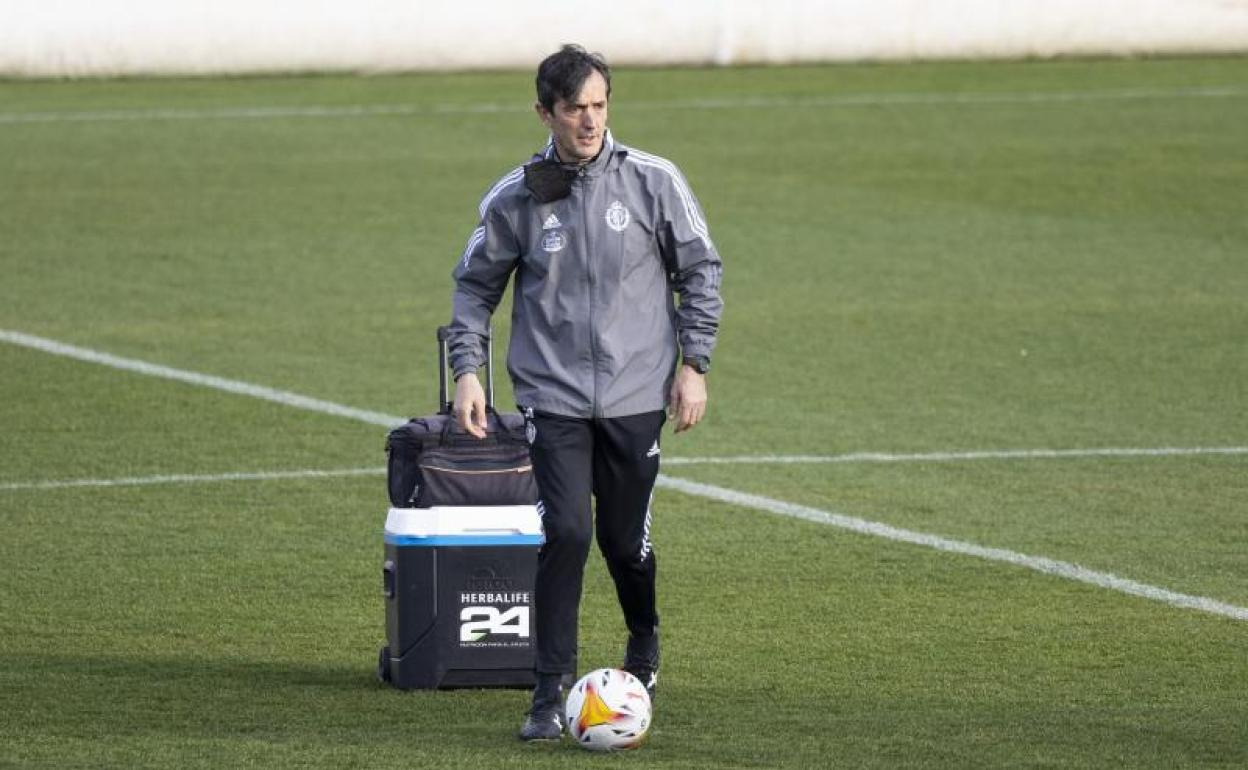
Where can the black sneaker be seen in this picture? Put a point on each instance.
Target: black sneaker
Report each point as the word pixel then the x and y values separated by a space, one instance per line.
pixel 641 659
pixel 542 724
pixel 544 721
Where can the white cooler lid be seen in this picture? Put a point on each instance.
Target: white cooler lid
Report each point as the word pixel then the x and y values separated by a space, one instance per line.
pixel 464 525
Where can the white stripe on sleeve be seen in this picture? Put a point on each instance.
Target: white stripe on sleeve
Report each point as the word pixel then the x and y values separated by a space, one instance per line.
pixel 696 223
pixel 474 241
pixel 501 185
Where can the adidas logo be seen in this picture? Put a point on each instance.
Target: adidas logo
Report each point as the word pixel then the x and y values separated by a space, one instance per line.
pixel 654 450
pixel 551 223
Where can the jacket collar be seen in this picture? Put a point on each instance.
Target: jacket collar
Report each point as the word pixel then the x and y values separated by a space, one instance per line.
pixel 599 164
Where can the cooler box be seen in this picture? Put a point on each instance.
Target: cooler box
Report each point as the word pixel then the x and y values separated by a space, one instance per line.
pixel 458 584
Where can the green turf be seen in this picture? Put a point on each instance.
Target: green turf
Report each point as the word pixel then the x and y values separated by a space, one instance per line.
pixel 901 277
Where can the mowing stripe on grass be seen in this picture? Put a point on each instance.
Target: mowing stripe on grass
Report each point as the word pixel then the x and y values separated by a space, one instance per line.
pixel 877 529
pixel 283 397
pixel 742 499
pixel 1003 454
pixel 189 478
pixel 732 497
pixel 876 99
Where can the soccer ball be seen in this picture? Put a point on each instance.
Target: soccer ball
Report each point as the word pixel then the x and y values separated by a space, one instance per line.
pixel 608 710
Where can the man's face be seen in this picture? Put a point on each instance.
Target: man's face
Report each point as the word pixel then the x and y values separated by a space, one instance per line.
pixel 579 126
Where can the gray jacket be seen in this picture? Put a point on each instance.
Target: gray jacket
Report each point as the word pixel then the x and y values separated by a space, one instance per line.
pixel 595 328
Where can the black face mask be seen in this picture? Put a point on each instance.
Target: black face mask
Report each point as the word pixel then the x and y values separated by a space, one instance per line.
pixel 548 180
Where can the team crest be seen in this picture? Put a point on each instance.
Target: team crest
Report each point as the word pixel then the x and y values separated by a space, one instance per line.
pixel 618 217
pixel 554 240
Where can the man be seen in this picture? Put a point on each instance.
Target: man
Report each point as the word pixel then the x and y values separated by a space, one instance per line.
pixel 599 235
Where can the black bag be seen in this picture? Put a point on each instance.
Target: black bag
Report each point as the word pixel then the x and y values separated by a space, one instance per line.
pixel 432 461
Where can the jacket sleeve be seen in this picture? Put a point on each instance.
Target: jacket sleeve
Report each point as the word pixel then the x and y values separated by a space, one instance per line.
pixel 693 265
pixel 480 278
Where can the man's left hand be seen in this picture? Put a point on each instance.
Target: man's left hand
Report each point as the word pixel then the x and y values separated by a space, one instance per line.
pixel 687 404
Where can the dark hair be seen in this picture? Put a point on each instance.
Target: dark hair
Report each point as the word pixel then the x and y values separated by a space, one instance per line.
pixel 561 75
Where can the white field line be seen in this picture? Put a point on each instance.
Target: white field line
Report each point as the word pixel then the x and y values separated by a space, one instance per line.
pixel 187 478
pixel 1005 454
pixel 875 528
pixel 731 497
pixel 859 457
pixel 283 397
pixel 877 99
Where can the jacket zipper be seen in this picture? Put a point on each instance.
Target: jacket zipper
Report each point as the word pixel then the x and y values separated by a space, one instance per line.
pixel 594 406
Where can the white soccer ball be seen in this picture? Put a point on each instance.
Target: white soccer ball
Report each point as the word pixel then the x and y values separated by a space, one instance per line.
pixel 608 710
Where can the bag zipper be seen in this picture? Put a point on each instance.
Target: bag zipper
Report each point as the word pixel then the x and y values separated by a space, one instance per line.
pixel 441 469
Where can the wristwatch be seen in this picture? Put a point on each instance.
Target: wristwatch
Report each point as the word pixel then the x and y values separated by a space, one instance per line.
pixel 700 364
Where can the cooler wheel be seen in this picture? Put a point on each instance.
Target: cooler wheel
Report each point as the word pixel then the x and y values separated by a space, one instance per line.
pixel 383 665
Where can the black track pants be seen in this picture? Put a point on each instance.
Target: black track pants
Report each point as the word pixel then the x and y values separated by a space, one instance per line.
pixel 616 461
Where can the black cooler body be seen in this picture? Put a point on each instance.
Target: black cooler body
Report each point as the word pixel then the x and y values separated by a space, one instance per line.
pixel 458 584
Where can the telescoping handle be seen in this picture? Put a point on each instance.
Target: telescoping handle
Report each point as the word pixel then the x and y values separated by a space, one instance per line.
pixel 444 401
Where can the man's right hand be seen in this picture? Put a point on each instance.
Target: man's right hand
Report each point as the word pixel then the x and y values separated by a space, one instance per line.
pixel 469 407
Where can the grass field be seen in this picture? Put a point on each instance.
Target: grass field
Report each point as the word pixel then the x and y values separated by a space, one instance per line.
pixel 920 259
